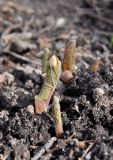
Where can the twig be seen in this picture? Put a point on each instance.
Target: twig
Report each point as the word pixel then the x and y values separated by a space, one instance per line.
pixel 5 22
pixel 12 27
pixel 28 24
pixel 8 30
pixel 99 32
pixel 102 19
pixel 23 58
pixel 10 4
pixel 45 148
pixel 104 33
pixel 86 12
pixel 47 28
pixel 81 53
pixel 62 145
pixel 20 40
pixel 87 150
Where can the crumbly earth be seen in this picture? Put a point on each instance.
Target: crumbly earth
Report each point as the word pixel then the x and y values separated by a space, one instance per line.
pixel 86 102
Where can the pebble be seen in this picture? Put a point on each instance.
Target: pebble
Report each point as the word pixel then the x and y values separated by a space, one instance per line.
pixel 6 76
pixel 99 91
pixel 30 109
pixel 3 113
pixel 9 77
pixel 60 22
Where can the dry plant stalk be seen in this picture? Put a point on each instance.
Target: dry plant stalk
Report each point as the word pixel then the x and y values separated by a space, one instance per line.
pixel 44 148
pixel 57 117
pixel 95 66
pixel 69 56
pixel 51 81
pixel 20 40
pixel 45 60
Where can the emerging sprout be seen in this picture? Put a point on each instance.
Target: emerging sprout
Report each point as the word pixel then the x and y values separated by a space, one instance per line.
pixel 95 66
pixel 57 117
pixel 68 63
pixel 45 60
pixel 69 56
pixel 51 81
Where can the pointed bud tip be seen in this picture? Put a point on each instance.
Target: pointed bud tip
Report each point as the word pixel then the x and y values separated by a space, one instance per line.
pixel 53 61
pixel 46 50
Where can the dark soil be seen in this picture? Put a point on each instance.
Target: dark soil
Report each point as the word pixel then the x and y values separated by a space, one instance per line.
pixel 86 102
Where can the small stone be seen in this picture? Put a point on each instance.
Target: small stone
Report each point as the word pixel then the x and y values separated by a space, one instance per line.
pixel 4 113
pixel 29 84
pixel 13 141
pixel 6 76
pixel 30 109
pixel 60 22
pixel 9 77
pixel 99 91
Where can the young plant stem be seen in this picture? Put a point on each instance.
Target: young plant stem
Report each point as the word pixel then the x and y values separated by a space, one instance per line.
pixel 69 56
pixel 95 66
pixel 48 88
pixel 57 116
pixel 45 60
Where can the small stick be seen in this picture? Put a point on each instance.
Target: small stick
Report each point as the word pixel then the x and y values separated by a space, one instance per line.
pixel 62 145
pixel 45 60
pixel 23 58
pixel 85 12
pixel 15 37
pixel 10 28
pixel 45 148
pixel 51 81
pixel 20 40
pixel 87 151
pixel 9 4
pixel 57 116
